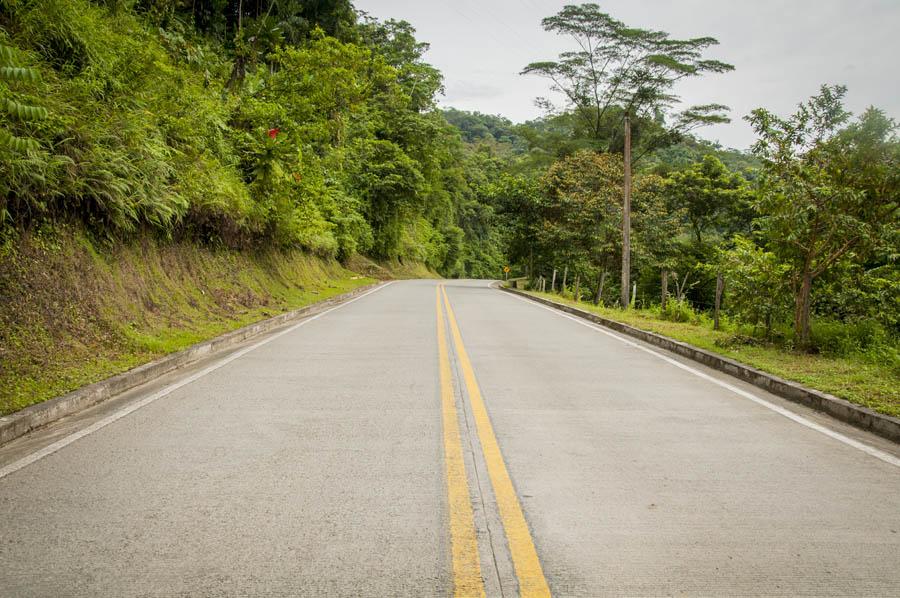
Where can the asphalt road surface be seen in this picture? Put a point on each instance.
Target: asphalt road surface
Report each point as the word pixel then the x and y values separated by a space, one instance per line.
pixel 421 441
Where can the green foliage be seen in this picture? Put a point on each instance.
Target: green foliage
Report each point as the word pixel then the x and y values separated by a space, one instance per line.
pixel 390 185
pixel 16 113
pixel 395 41
pixel 865 337
pixel 656 224
pixel 715 201
pixel 581 214
pixel 306 125
pixel 690 150
pixel 625 69
pixel 109 306
pixel 475 126
pixel 870 377
pixel 830 192
pixel 289 124
pixel 679 311
pixel 756 283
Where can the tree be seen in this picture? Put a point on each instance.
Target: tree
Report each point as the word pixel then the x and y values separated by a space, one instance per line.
pixel 829 192
pixel 623 68
pixel 658 224
pixel 390 184
pixel 620 70
pixel 396 42
pixel 756 282
pixel 581 213
pixel 715 200
pixel 517 201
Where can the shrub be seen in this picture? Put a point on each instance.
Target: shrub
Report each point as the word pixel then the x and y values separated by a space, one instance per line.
pixel 679 311
pixel 847 338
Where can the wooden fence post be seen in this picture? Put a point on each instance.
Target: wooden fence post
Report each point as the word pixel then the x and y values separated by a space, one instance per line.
pixel 665 288
pixel 599 295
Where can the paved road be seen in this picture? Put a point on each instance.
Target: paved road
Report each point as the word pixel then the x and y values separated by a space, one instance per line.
pixel 413 441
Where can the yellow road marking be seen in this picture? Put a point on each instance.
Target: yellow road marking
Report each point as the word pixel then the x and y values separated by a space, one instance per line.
pixel 521 547
pixel 467 580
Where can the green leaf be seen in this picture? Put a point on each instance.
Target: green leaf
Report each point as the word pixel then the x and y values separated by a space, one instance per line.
pixel 17 144
pixel 24 111
pixel 18 73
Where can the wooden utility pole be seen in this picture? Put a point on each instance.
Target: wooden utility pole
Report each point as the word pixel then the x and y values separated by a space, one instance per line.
pixel 626 218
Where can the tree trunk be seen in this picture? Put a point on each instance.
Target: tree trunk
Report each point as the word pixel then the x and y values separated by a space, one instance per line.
pixel 665 288
pixel 801 311
pixel 530 261
pixel 626 218
pixel 680 286
pixel 565 276
pixel 599 296
pixel 577 287
pixel 553 282
pixel 720 288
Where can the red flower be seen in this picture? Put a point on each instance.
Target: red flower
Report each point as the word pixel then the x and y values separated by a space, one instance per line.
pixel 273 133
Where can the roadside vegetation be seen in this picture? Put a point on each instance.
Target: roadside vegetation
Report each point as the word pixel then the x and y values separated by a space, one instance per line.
pixel 78 309
pixel 852 364
pixel 295 125
pixel 793 247
pixel 240 140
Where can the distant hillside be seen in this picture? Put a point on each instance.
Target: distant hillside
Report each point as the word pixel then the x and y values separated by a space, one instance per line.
pixel 475 126
pixel 692 150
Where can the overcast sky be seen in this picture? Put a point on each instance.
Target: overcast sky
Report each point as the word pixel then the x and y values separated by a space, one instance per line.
pixel 782 51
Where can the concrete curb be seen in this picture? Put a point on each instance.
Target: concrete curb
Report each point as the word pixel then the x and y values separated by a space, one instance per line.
pixel 861 417
pixel 21 422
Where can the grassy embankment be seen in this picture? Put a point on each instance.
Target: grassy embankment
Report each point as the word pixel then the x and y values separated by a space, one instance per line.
pixel 77 310
pixel 868 379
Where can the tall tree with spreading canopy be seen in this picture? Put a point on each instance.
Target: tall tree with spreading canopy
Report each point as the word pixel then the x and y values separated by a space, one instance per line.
pixel 620 72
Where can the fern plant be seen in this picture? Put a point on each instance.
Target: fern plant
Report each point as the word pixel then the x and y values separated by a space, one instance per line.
pixel 10 74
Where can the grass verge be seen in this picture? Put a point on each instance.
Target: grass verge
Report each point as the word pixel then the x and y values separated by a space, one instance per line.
pixel 77 310
pixel 858 378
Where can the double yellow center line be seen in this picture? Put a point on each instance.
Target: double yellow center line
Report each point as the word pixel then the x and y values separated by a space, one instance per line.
pixel 463 543
pixel 464 546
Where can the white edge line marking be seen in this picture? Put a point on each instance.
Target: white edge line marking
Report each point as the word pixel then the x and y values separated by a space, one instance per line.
pixel 67 440
pixel 870 450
